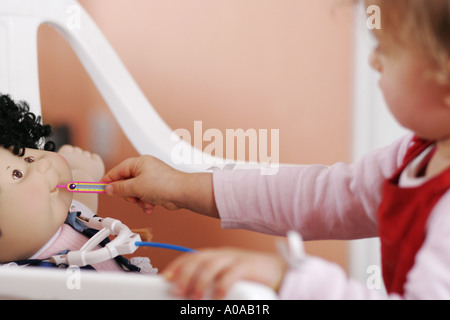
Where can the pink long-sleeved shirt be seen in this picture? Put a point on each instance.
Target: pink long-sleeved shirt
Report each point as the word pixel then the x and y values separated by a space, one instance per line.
pixel 335 202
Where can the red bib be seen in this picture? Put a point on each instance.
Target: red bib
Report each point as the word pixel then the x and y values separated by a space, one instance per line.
pixel 402 219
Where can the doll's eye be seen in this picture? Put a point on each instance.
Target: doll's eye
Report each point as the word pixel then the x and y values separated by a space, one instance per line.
pixel 29 159
pixel 17 174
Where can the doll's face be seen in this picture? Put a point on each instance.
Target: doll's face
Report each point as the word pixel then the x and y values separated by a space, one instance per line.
pixel 32 208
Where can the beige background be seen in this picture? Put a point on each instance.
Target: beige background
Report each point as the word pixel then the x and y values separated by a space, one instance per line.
pixel 262 64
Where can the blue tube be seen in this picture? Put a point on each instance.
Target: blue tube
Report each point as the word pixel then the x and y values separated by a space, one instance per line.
pixel 162 245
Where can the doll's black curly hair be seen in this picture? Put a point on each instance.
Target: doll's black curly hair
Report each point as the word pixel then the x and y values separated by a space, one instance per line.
pixel 20 128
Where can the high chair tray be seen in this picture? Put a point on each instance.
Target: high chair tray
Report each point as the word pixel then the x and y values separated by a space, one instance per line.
pixel 66 284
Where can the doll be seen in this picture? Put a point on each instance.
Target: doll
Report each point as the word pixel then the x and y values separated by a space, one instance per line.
pixel 33 210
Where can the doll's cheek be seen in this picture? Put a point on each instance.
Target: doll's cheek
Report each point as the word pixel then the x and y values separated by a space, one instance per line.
pixel 34 197
pixel 62 202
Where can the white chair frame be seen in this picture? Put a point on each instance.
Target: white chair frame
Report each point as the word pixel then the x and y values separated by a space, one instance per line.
pixel 146 130
pixel 19 75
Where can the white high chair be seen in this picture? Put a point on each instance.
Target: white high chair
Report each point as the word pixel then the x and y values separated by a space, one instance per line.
pixel 19 22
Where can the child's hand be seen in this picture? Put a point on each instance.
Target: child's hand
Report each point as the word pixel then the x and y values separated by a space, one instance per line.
pixel 148 181
pixel 145 181
pixel 89 164
pixel 219 269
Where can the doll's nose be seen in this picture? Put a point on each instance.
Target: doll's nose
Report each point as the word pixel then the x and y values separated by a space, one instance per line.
pixel 43 165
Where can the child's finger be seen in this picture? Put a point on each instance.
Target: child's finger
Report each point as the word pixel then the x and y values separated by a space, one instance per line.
pixel 124 188
pixel 172 268
pixel 122 171
pixel 183 275
pixel 214 264
pixel 227 278
pixel 194 274
pixel 146 207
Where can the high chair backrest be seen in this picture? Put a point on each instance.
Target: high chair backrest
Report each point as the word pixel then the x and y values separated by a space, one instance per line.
pixel 19 23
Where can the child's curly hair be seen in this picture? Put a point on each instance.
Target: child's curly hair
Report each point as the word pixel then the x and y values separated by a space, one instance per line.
pixel 20 128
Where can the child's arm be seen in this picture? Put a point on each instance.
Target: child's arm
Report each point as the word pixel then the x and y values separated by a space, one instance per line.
pixel 320 202
pixel 85 166
pixel 148 181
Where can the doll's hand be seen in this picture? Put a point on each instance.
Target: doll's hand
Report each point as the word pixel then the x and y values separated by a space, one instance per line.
pixel 219 269
pixel 90 164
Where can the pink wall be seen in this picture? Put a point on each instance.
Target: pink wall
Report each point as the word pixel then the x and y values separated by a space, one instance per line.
pixel 262 64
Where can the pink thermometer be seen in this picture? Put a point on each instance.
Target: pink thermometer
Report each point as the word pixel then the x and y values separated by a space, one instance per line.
pixel 85 187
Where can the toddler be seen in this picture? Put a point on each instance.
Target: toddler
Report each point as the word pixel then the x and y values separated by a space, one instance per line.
pixel 399 193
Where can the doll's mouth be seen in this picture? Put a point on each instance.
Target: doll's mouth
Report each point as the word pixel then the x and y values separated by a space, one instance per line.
pixel 55 190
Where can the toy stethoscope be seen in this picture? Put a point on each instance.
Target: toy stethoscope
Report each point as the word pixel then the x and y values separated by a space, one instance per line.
pixel 125 242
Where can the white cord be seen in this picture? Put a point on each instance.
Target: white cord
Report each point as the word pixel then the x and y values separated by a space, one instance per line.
pixel 293 250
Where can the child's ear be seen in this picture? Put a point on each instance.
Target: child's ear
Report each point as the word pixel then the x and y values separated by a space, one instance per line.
pixel 447 99
pixel 447 95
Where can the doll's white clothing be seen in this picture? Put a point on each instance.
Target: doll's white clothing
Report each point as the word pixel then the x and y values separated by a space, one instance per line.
pixel 67 238
pixel 72 240
pixel 334 202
